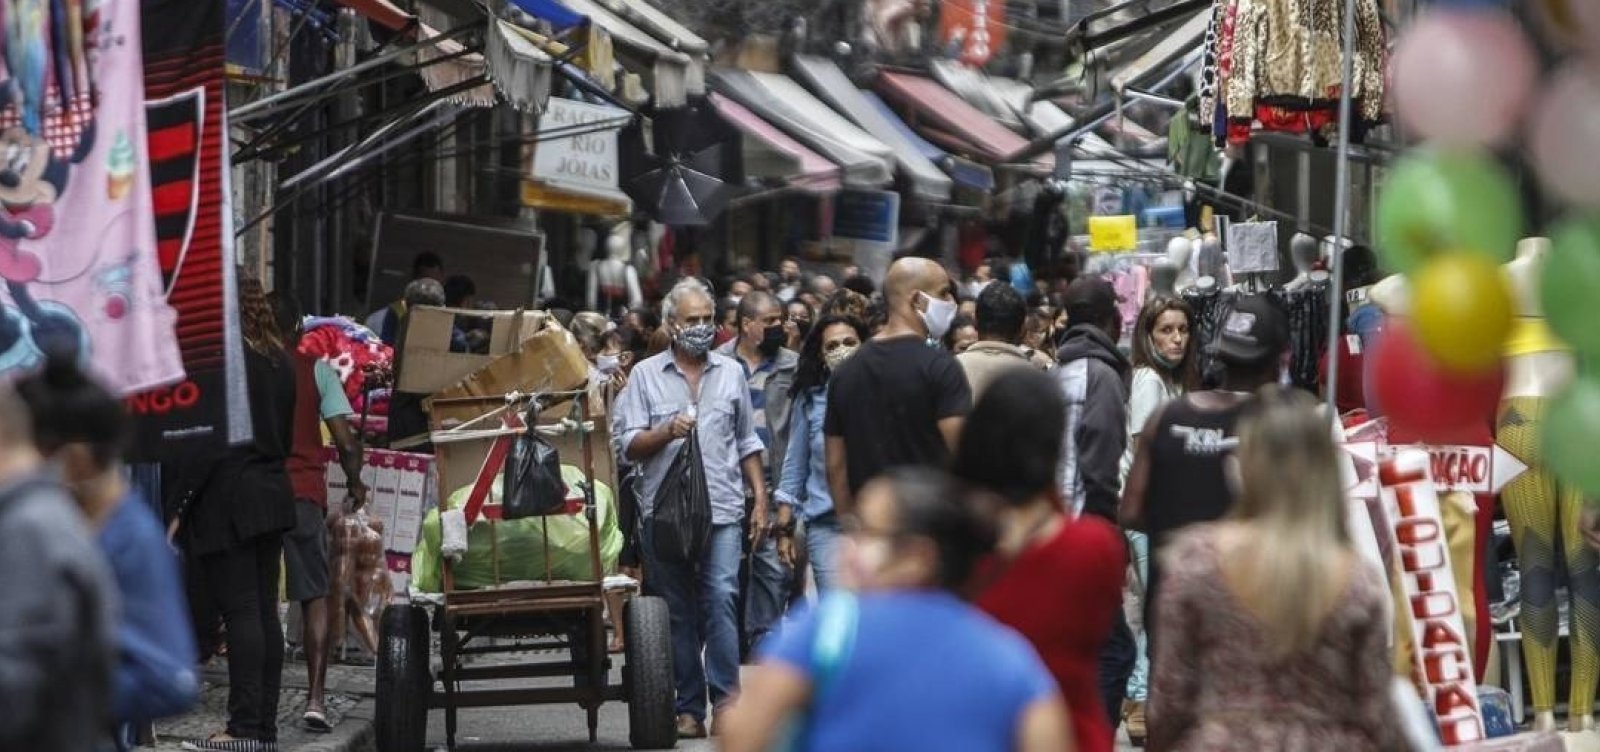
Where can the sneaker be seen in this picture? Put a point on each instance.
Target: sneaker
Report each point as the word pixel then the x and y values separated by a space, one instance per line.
pixel 229 745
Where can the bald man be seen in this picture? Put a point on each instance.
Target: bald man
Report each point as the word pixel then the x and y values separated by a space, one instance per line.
pixel 901 398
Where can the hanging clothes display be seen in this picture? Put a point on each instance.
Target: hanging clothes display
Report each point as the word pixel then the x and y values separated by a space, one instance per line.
pixel 78 255
pixel 1307 310
pixel 1276 64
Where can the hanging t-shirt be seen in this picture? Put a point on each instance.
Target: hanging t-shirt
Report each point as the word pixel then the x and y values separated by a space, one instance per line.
pixel 78 259
pixel 887 401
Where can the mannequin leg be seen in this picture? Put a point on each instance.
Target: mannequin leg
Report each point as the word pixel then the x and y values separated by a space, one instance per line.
pixel 1531 508
pixel 1583 572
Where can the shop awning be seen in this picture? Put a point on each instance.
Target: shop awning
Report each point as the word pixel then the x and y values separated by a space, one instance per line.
pixel 382 12
pixel 1003 99
pixel 519 69
pixel 559 16
pixel 769 153
pixel 669 69
pixel 668 31
pixel 866 161
pixel 965 172
pixel 831 84
pixel 947 120
pixel 1046 117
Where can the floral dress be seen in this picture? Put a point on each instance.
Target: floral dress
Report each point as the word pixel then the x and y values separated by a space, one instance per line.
pixel 1213 688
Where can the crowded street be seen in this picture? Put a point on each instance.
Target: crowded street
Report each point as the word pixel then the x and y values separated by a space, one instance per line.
pixel 762 375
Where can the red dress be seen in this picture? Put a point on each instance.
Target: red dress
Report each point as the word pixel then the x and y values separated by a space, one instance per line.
pixel 1063 595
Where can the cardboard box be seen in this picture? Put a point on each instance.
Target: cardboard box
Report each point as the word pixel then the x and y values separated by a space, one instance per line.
pixel 426 364
pixel 548 361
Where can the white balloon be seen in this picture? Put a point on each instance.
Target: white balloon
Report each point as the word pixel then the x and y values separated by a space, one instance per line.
pixel 1462 76
pixel 1564 136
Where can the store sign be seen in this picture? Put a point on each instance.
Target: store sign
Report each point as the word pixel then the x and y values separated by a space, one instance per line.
pixel 577 148
pixel 873 216
pixel 977 26
pixel 1439 633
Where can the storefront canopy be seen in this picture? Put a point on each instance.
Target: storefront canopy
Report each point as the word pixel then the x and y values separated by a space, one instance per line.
pixel 1182 42
pixel 947 120
pixel 1003 99
pixel 668 31
pixel 674 75
pixel 829 83
pixel 866 161
pixel 964 172
pixel 769 153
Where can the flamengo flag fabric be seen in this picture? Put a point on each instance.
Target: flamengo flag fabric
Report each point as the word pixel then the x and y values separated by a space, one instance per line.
pixel 183 83
pixel 78 267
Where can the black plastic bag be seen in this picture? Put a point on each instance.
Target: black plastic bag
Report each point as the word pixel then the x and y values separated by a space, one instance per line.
pixel 533 486
pixel 681 522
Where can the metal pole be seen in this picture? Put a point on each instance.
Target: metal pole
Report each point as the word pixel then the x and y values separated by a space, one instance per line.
pixel 1341 208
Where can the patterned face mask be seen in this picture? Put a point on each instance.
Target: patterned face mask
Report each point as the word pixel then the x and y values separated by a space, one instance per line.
pixel 696 340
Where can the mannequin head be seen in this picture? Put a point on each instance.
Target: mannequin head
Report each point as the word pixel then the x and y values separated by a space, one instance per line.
pixel 1213 262
pixel 620 242
pixel 1178 251
pixel 1305 252
pixel 1392 295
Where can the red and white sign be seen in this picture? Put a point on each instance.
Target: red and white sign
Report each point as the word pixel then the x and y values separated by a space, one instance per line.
pixel 1444 659
pixel 1474 469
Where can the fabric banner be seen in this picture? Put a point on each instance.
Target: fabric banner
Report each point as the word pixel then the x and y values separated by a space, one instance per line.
pixel 184 81
pixel 77 241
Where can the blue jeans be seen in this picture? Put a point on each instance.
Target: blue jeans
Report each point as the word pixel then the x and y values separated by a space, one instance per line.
pixel 822 548
pixel 1138 684
pixel 767 595
pixel 701 602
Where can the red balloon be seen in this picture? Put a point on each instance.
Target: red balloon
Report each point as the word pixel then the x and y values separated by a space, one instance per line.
pixel 1423 400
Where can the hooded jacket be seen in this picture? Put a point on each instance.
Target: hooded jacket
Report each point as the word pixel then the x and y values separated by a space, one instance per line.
pixel 1093 375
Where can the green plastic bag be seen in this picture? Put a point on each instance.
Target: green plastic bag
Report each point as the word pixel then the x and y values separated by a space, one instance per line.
pixel 521 544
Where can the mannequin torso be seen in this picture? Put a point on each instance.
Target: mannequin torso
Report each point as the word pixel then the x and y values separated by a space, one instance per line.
pixel 612 280
pixel 1537 364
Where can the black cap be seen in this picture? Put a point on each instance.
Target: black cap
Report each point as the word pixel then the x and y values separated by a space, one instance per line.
pixel 1090 300
pixel 1255 333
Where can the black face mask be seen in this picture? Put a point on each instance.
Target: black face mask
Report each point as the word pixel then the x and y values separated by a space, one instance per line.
pixel 804 328
pixel 772 339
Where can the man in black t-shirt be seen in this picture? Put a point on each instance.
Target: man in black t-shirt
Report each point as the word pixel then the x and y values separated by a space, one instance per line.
pixel 899 400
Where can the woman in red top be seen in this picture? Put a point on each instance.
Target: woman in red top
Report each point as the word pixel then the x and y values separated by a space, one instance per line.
pixel 1056 580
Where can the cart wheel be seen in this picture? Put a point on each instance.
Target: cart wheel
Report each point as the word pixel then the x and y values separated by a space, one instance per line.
pixel 404 683
pixel 651 695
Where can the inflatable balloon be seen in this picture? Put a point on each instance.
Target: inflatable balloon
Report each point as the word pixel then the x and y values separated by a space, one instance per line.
pixel 1462 76
pixel 1570 433
pixel 1564 135
pixel 1447 201
pixel 1423 400
pixel 1569 283
pixel 1462 312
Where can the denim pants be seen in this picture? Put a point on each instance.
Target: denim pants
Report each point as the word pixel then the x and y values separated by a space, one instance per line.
pixel 822 549
pixel 1138 683
pixel 701 602
pixel 768 592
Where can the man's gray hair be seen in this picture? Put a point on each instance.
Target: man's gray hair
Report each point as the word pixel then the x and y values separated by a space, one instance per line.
pixel 680 292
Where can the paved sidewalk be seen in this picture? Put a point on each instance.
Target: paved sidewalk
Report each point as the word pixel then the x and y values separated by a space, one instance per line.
pixel 349 700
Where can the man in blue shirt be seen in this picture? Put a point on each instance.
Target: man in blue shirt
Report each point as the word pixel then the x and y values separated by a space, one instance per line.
pixel 668 396
pixel 769 369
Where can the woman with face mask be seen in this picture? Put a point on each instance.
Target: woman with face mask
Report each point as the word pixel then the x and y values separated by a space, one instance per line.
pixel 1165 367
pixel 838 675
pixel 803 491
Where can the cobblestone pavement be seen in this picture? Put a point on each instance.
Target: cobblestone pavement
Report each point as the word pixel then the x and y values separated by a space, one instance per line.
pixel 348 701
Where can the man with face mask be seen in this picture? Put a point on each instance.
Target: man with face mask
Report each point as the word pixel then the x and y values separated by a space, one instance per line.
pixel 769 369
pixel 690 390
pixel 901 399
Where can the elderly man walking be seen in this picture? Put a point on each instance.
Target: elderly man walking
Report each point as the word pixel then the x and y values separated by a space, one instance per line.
pixel 668 396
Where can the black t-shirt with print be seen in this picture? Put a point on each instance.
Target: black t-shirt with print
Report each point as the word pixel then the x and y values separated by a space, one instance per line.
pixel 886 401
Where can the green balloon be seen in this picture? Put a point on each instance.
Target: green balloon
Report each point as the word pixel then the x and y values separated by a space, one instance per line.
pixel 1435 203
pixel 1569 284
pixel 1570 432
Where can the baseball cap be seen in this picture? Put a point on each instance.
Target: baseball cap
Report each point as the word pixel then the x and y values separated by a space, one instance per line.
pixel 1255 332
pixel 1090 300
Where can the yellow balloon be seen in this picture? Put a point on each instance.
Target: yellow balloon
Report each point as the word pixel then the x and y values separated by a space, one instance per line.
pixel 1462 310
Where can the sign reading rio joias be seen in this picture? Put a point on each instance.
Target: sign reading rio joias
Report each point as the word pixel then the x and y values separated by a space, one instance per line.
pixel 1443 658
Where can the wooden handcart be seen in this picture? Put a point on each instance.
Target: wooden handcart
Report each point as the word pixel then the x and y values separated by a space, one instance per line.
pixel 550 615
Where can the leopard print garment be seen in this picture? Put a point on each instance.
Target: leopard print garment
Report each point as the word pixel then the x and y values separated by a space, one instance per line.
pixel 1291 49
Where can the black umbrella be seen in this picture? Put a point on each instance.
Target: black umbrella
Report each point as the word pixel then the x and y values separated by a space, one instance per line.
pixel 692 172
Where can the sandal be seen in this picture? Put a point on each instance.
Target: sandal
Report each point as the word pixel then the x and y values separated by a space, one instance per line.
pixel 317 721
